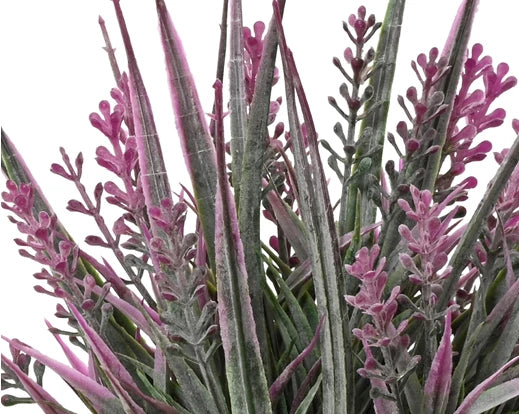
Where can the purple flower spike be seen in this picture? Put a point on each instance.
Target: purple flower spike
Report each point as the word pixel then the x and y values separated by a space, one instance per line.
pixel 429 239
pixel 471 109
pixel 382 333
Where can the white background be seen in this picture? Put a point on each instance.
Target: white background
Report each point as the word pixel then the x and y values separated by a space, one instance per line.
pixel 54 73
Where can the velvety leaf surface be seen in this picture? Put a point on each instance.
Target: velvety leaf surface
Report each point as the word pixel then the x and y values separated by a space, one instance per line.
pixel 248 392
pixel 197 146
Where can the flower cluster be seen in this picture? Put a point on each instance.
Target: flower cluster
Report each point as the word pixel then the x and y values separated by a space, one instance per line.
pixel 382 333
pixel 360 30
pixel 253 53
pixel 429 238
pixel 471 112
pixel 50 247
pixel 427 105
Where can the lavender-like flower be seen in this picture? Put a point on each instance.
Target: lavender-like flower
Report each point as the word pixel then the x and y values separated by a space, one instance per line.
pixel 471 113
pixel 381 332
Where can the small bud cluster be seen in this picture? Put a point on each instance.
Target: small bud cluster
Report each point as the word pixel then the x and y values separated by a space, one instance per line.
pixel 360 29
pixel 253 53
pixel 471 113
pixel 429 238
pixel 50 247
pixel 427 105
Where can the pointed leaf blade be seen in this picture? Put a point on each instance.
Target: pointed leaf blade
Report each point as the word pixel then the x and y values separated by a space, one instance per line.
pixel 99 395
pixel 238 94
pixel 281 381
pixel 473 396
pixel 317 214
pixel 438 382
pixel 248 393
pixel 496 396
pixel 197 146
pixel 46 402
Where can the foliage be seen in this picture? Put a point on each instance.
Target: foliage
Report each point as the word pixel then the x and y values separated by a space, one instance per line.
pixel 338 311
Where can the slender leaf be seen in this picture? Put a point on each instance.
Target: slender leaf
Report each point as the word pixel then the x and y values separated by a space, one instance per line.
pixel 505 344
pixel 282 380
pixel 74 361
pixel 97 394
pixel 458 377
pixel 238 95
pixel 292 226
pixel 153 173
pixel 248 392
pixel 506 310
pixel 303 391
pixel 317 214
pixel 249 204
pixel 197 146
pixel 299 317
pixel 222 50
pixel 496 396
pixel 307 401
pixel 473 396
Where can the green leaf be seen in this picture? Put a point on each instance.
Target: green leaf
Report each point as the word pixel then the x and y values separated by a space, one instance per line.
pixel 153 174
pixel 282 380
pixel 475 394
pixel 460 370
pixel 496 396
pixel 317 214
pixel 238 95
pixel 307 401
pixel 249 204
pixel 291 224
pixel 503 344
pixel 197 145
pixel 248 393
pixel 298 316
